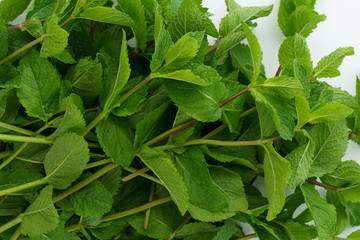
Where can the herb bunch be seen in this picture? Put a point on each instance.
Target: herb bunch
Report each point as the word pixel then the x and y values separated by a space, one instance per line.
pixel 164 139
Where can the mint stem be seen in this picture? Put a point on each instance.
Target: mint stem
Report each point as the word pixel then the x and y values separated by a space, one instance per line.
pixel 16 129
pixel 10 224
pixel 135 174
pixel 323 185
pixel 247 237
pixel 23 187
pixel 144 175
pixel 17 138
pixel 173 234
pixel 148 211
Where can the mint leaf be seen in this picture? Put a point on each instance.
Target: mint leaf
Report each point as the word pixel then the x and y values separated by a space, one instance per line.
pixel 112 87
pixel 41 216
pixel 41 9
pixel 73 120
pixel 277 171
pixel 301 159
pixel 348 172
pixel 136 11
pixel 182 75
pixel 295 49
pixel 147 126
pixel 120 151
pixel 86 77
pixel 11 9
pixel 66 160
pixel 328 65
pixel 298 231
pixel 201 103
pixel 354 236
pixel 302 110
pixel 163 167
pixel 3 40
pixel 92 200
pixel 279 109
pixel 282 86
pixel 37 94
pixel 107 15
pixel 56 38
pixel 329 112
pixel 337 200
pixel 180 53
pixel 59 233
pixel 163 43
pixel 320 210
pixel 201 188
pixel 330 140
pixel 190 18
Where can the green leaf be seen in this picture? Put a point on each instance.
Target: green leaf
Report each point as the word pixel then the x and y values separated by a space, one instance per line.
pixel 199 102
pixel 41 9
pixel 280 111
pixel 112 180
pixel 201 188
pixel 56 38
pixel 37 94
pixel 283 86
pixel 3 40
pixel 73 120
pixel 112 87
pixel 190 18
pixel 330 140
pixel 329 112
pixel 12 205
pixel 163 43
pixel 230 183
pixel 228 43
pixel 136 11
pixel 117 140
pixel 277 171
pixel 147 125
pixel 354 212
pixel 336 199
pixel 298 17
pixel 255 50
pixel 301 159
pixel 41 216
pixel 180 53
pixel 11 9
pixel 303 76
pixel 302 110
pixel 295 49
pixel 163 220
pixel 181 137
pixel 182 75
pixel 66 160
pixel 354 236
pixel 233 21
pixel 107 15
pixel 65 57
pixel 9 105
pixel 17 177
pixel 346 172
pixel 297 231
pixel 328 65
pixel 320 210
pixel 92 200
pixel 163 167
pixel 195 228
pixel 86 77
pixel 58 233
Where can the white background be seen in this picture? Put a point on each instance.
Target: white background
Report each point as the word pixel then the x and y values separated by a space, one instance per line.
pixel 341 28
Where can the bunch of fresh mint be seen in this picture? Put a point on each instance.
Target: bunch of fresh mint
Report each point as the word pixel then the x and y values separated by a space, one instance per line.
pixel 164 139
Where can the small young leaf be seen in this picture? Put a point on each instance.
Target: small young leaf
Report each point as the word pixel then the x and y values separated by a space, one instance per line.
pixel 66 160
pixel 190 18
pixel 37 94
pixel 277 171
pixel 320 210
pixel 56 38
pixel 328 65
pixel 302 110
pixel 107 15
pixel 117 140
pixel 329 112
pixel 41 216
pixel 163 167
pixel 295 48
